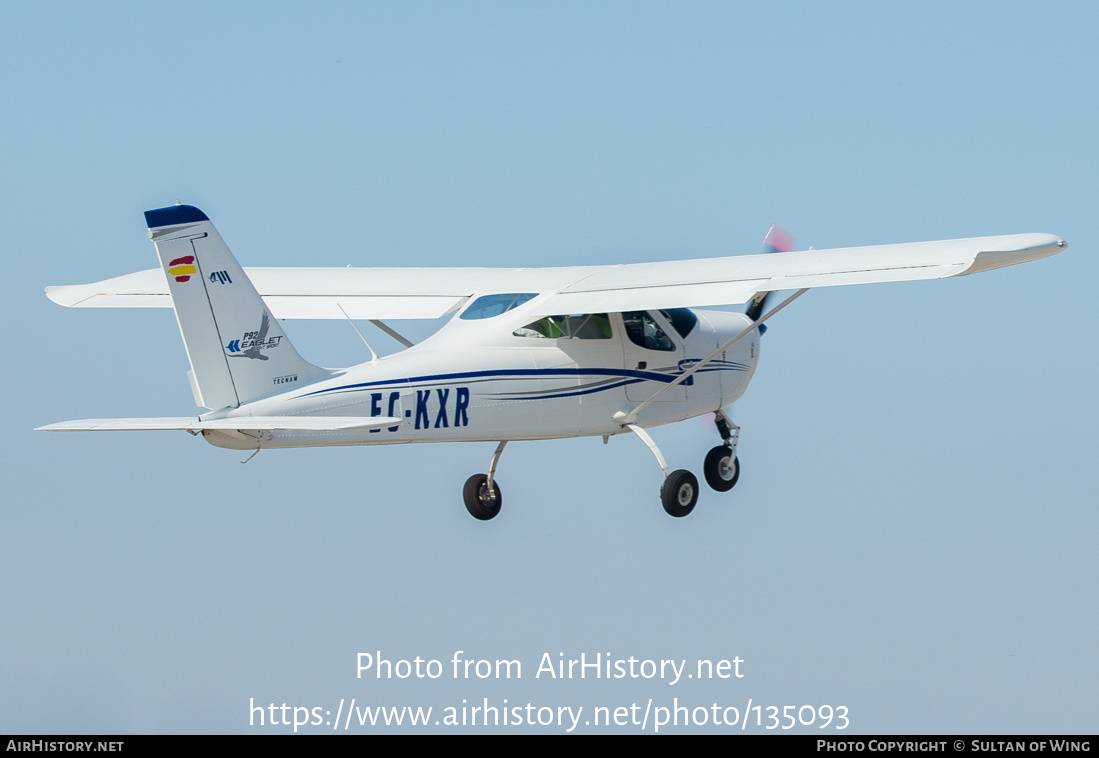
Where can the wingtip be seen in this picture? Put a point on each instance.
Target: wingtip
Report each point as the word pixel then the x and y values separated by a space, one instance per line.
pixel 63 294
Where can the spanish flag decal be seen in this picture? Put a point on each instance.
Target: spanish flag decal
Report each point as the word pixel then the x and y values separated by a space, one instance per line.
pixel 182 268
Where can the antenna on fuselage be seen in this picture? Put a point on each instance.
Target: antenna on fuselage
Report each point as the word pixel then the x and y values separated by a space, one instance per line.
pixel 373 355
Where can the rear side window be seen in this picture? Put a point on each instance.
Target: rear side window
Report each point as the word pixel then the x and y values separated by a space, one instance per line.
pixel 493 305
pixel 586 326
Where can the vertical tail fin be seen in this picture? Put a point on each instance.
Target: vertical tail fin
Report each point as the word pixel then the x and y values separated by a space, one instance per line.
pixel 238 352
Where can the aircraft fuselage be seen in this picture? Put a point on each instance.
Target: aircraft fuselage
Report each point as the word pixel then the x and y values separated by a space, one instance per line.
pixel 468 380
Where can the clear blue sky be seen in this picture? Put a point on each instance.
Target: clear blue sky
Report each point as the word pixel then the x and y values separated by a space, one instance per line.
pixel 913 535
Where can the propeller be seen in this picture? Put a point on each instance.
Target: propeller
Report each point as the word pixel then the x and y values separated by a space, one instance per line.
pixel 778 240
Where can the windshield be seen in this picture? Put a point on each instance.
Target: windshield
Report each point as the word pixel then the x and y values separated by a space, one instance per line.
pixel 682 319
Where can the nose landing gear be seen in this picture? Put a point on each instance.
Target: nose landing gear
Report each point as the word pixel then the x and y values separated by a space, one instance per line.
pixel 721 468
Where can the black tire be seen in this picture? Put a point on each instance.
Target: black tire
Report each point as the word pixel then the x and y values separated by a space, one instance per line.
pixel 722 469
pixel 480 503
pixel 679 493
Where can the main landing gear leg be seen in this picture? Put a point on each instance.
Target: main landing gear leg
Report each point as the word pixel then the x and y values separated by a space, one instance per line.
pixel 481 493
pixel 721 467
pixel 679 492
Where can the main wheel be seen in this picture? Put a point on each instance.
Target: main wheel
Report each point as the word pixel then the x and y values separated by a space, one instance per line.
pixel 679 493
pixel 480 502
pixel 721 468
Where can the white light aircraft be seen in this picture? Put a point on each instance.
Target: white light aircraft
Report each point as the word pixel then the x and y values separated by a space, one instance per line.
pixel 530 353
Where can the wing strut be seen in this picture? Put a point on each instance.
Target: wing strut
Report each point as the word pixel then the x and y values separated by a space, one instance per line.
pixel 631 418
pixel 391 332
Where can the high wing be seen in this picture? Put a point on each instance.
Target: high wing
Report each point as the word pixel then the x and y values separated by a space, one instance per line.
pixel 407 293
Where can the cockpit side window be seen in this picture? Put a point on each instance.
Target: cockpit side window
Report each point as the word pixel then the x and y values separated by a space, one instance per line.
pixel 586 326
pixel 683 320
pixel 493 305
pixel 643 331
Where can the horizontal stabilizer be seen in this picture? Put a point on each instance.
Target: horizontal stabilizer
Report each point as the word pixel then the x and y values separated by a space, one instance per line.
pixel 239 423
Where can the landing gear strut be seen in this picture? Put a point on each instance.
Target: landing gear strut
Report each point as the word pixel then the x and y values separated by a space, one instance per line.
pixel 679 492
pixel 481 493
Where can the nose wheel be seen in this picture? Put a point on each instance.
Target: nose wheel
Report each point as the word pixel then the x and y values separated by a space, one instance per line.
pixel 721 468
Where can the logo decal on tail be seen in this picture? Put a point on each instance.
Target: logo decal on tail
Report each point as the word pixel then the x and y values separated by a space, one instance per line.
pixel 182 268
pixel 252 344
